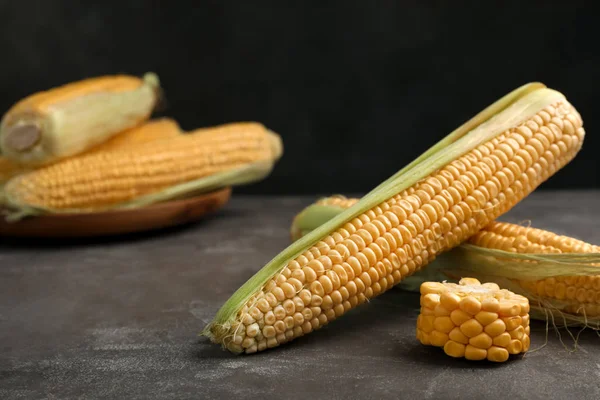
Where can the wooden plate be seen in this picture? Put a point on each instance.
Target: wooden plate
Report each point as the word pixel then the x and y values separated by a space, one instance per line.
pixel 116 222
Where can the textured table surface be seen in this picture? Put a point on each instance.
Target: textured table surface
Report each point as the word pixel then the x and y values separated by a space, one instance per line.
pixel 118 318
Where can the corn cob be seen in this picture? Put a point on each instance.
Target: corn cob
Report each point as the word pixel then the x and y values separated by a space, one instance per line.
pixel 521 239
pixel 579 294
pixel 473 321
pixel 110 178
pixel 162 128
pixel 576 294
pixel 67 120
pixel 455 189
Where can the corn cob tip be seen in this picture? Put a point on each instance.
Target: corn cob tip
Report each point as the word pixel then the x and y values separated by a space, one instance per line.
pixel 151 79
pixel 276 145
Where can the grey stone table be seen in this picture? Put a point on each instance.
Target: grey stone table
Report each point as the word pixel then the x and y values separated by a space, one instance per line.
pixel 118 318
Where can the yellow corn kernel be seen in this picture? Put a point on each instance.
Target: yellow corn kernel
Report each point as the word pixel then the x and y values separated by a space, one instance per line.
pixel 497 354
pixel 475 353
pixel 471 328
pixel 70 119
pixel 484 335
pixel 512 322
pixel 470 305
pixel 495 328
pixel 438 338
pixel 443 324
pixel 454 349
pixel 502 340
pixel 449 301
pixel 486 317
pixel 482 341
pixel 459 316
pixel 440 311
pixel 459 337
pixel 430 301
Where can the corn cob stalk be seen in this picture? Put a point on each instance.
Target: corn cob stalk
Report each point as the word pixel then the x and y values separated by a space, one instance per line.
pixel 70 119
pixel 571 267
pixel 156 171
pixel 162 128
pixel 452 191
pixel 473 321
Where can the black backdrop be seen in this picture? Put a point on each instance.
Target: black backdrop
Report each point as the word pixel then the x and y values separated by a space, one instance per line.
pixel 357 89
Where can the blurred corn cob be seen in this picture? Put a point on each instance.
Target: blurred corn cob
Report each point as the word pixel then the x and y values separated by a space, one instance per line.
pixel 577 296
pixel 161 128
pixel 67 120
pixel 445 196
pixel 158 170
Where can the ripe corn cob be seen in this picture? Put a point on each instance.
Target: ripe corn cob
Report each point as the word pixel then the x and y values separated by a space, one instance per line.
pixel 521 239
pixel 67 120
pixel 577 294
pixel 162 128
pixel 111 178
pixel 473 321
pixel 477 173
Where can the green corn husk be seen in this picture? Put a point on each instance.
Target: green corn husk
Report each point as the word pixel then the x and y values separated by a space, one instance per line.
pixel 507 112
pixel 486 265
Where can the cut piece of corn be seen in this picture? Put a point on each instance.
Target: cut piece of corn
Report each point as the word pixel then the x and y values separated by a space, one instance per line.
pixel 474 321
pixel 430 207
pixel 121 177
pixel 160 128
pixel 67 120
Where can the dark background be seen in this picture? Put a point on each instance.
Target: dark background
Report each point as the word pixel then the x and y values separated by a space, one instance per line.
pixel 357 89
